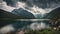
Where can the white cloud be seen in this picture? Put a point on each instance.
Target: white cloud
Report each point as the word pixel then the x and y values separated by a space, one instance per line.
pixel 1 1
pixel 38 10
pixel 35 9
pixel 20 5
pixel 6 7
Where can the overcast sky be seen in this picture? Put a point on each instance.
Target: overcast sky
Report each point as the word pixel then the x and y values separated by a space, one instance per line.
pixel 42 5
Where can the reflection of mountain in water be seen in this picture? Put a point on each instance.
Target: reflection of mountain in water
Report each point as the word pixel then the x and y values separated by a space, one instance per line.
pixel 26 24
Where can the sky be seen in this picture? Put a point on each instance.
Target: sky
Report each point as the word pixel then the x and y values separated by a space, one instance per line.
pixel 34 6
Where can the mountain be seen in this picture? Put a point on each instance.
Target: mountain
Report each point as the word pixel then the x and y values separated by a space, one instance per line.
pixel 54 15
pixel 5 14
pixel 24 13
pixel 7 18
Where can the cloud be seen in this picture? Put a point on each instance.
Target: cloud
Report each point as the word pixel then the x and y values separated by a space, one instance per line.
pixel 31 3
pixel 11 2
pixel 5 7
pixel 1 1
pixel 37 10
pixel 39 3
pixel 42 3
pixel 21 5
pixel 33 6
pixel 8 8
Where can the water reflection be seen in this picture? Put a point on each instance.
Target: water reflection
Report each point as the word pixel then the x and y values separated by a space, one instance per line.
pixel 24 24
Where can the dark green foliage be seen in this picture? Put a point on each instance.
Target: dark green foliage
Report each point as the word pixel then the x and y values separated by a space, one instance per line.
pixel 46 31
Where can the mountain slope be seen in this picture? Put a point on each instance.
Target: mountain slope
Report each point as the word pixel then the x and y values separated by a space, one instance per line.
pixel 7 17
pixel 54 14
pixel 5 14
pixel 24 13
